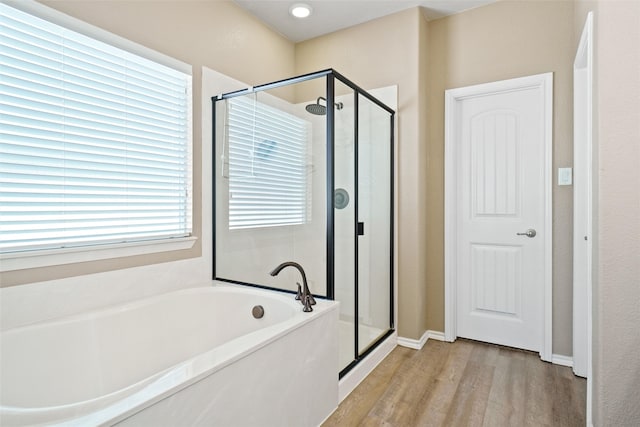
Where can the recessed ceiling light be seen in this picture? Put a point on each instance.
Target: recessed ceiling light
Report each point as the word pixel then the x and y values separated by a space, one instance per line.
pixel 300 10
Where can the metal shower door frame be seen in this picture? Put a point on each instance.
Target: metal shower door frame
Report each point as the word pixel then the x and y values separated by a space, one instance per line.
pixel 331 77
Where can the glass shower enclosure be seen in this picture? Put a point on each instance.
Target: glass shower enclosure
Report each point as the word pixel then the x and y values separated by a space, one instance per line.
pixel 303 172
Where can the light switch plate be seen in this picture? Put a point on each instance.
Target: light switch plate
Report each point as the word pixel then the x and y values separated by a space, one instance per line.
pixel 564 176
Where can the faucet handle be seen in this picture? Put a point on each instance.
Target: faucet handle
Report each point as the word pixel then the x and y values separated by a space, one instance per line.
pixel 299 293
pixel 310 297
pixel 307 303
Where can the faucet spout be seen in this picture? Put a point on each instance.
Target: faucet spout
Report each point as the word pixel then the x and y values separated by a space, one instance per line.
pixel 306 299
pixel 282 266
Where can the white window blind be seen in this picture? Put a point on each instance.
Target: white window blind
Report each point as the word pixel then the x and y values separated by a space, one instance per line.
pixel 267 158
pixel 95 141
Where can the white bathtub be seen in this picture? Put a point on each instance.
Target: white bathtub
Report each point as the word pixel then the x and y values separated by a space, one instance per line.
pixel 191 357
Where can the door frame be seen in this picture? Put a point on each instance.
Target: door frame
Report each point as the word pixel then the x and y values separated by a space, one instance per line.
pixel 451 174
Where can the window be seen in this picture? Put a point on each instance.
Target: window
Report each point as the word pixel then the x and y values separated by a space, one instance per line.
pixel 95 141
pixel 267 158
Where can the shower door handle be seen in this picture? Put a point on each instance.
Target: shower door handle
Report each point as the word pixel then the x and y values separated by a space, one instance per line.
pixel 361 229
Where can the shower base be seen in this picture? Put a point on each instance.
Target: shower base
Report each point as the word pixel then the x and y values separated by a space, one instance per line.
pixel 366 336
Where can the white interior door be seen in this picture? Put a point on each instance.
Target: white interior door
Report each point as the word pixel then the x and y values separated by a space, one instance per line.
pixel 501 218
pixel 582 199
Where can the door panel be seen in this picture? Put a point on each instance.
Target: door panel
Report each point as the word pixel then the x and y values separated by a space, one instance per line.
pixel 496 277
pixel 494 163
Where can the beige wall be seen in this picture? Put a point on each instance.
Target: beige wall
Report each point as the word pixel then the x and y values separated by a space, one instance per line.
pixel 431 261
pixel 376 54
pixel 499 41
pixel 216 34
pixel 616 281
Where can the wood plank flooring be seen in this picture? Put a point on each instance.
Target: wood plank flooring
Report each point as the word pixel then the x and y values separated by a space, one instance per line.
pixel 465 383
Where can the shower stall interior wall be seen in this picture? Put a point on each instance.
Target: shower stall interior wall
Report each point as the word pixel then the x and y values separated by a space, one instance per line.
pixel 303 172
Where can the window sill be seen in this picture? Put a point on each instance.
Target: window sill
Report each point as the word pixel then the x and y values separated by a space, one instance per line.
pixel 47 258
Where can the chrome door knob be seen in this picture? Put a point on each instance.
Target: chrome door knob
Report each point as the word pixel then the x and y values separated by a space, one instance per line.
pixel 529 233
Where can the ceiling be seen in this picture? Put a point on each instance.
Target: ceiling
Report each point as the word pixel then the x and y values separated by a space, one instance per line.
pixel 332 15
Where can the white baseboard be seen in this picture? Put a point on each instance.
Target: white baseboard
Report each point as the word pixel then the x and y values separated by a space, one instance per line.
pixel 435 335
pixel 558 359
pixel 418 344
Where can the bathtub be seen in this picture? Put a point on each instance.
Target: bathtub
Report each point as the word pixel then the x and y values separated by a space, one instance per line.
pixel 190 357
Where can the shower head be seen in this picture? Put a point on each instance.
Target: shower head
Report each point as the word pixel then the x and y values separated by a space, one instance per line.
pixel 319 109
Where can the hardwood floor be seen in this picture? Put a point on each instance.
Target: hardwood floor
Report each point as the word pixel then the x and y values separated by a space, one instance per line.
pixel 465 383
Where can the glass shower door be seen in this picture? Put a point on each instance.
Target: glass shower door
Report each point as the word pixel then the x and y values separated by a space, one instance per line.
pixel 374 223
